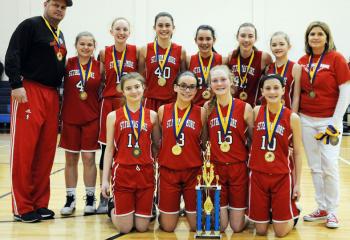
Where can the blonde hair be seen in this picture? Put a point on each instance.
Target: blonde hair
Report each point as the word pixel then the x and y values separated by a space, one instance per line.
pixel 329 42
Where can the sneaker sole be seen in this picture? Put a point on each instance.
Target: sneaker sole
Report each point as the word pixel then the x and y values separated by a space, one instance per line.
pixel 314 219
pixel 19 219
pixel 88 213
pixel 332 226
pixel 68 214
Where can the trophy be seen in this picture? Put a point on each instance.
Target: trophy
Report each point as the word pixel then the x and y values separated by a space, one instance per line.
pixel 208 214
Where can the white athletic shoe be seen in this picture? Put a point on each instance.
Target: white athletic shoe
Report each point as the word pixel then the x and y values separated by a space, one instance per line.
pixel 69 207
pixel 90 206
pixel 103 205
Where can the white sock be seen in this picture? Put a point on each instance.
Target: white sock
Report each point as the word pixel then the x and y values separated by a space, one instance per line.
pixel 90 191
pixel 70 191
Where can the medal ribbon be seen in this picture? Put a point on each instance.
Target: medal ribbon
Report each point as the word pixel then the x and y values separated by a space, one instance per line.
pixel 161 63
pixel 272 127
pixel 243 82
pixel 178 126
pixel 141 121
pixel 205 71
pixel 85 75
pixel 225 122
pixel 331 131
pixel 55 36
pixel 118 68
pixel 313 71
pixel 284 70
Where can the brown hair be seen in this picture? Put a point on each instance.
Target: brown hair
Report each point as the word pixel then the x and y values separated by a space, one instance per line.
pixel 129 76
pixel 329 42
pixel 120 18
pixel 236 52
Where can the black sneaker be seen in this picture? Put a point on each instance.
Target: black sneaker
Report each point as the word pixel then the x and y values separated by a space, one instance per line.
pixel 45 213
pixel 90 206
pixel 30 217
pixel 69 208
pixel 110 206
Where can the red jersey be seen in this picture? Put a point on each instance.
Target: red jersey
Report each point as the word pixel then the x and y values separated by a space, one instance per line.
pixel 124 139
pixel 130 65
pixel 253 76
pixel 282 138
pixel 332 72
pixel 189 139
pixel 235 137
pixel 288 81
pixel 171 69
pixel 195 67
pixel 75 110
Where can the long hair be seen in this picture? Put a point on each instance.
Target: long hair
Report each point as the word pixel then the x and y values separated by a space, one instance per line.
pixel 330 46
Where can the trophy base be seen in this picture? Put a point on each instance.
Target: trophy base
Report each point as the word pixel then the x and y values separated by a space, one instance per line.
pixel 207 236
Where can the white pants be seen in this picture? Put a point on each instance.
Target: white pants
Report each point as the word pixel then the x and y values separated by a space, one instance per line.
pixel 323 162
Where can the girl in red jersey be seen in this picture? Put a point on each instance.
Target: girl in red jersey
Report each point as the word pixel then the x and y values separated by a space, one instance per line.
pixel 325 95
pixel 80 112
pixel 289 70
pixel 247 64
pixel 116 61
pixel 271 184
pixel 228 121
pixel 132 134
pixel 203 61
pixel 160 62
pixel 183 129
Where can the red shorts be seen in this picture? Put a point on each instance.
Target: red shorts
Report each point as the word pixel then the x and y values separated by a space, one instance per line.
pixel 76 138
pixel 133 189
pixel 271 191
pixel 173 183
pixel 108 105
pixel 233 179
pixel 154 104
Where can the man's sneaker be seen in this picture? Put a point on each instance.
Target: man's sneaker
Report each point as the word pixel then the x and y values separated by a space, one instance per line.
pixel 45 213
pixel 110 206
pixel 103 205
pixel 69 207
pixel 90 206
pixel 332 221
pixel 30 217
pixel 316 215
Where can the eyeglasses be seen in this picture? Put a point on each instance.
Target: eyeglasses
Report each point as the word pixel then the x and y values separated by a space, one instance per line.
pixel 184 87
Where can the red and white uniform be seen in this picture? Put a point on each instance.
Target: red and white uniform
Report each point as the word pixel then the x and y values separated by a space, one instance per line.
pixel 271 183
pixel 315 115
pixel 111 97
pixel 288 82
pixel 80 117
pixel 253 76
pixel 133 177
pixel 195 67
pixel 155 95
pixel 231 166
pixel 178 174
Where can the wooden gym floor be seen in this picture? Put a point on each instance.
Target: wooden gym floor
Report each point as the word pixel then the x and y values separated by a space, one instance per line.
pixel 100 227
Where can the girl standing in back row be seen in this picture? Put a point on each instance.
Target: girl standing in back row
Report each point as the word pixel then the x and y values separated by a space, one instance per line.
pixel 160 62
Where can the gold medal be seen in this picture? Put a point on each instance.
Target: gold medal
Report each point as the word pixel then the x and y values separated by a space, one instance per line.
pixel 83 95
pixel 225 147
pixel 333 140
pixel 312 94
pixel 243 96
pixel 269 157
pixel 176 149
pixel 161 81
pixel 206 94
pixel 136 152
pixel 59 56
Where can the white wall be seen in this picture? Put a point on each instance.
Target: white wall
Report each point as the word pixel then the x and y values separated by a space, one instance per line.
pixel 224 15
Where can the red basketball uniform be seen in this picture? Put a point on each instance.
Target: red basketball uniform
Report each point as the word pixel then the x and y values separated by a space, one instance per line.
pixel 178 173
pixel 195 67
pixel 288 81
pixel 80 117
pixel 230 166
pixel 253 76
pixel 111 97
pixel 133 177
pixel 271 184
pixel 157 95
pixel 331 73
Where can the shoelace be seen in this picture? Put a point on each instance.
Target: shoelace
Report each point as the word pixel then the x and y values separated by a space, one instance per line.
pixel 69 201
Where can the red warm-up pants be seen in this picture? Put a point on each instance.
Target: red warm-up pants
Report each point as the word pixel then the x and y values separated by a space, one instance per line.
pixel 34 128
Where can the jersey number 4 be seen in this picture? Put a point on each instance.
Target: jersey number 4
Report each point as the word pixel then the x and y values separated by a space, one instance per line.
pixel 166 72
